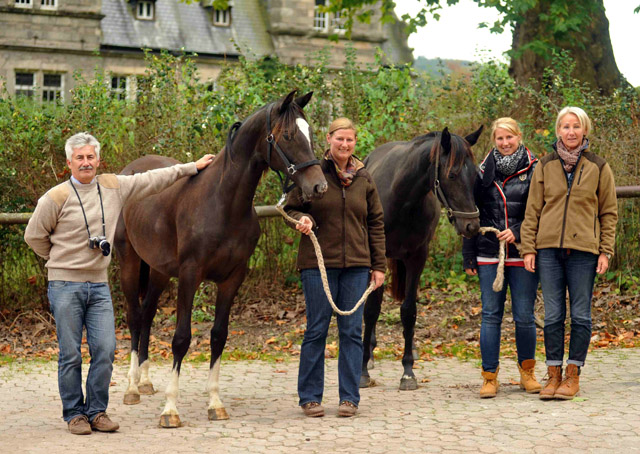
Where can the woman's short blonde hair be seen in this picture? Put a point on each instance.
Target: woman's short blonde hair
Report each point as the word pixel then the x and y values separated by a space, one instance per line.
pixel 583 118
pixel 507 123
pixel 342 123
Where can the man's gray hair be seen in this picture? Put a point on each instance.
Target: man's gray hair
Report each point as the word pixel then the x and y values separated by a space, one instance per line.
pixel 80 140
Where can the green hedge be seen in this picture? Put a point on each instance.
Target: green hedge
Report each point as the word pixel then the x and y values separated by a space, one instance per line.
pixel 177 115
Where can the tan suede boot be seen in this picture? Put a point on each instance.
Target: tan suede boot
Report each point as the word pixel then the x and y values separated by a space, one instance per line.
pixel 490 385
pixel 570 386
pixel 528 380
pixel 554 374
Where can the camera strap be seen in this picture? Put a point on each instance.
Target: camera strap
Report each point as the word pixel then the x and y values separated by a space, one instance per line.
pixel 104 231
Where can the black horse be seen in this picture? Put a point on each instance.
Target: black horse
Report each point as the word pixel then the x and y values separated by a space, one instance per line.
pixel 411 177
pixel 205 227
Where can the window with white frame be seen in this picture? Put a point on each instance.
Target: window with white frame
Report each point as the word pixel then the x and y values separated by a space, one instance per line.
pixel 337 22
pixel 25 84
pixel 222 17
pixel 119 87
pixel 52 87
pixel 145 10
pixel 23 3
pixel 320 19
pixel 48 4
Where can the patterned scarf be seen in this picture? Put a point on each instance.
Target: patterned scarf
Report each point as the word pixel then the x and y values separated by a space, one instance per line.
pixel 570 157
pixel 508 165
pixel 346 175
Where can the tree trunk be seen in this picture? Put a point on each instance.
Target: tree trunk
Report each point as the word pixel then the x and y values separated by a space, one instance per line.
pixel 590 49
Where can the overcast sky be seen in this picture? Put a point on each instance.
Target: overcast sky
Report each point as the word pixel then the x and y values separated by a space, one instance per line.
pixel 457 36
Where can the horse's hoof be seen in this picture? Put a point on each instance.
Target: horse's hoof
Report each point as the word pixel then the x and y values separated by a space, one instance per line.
pixel 408 384
pixel 170 421
pixel 146 389
pixel 217 414
pixel 366 382
pixel 131 399
pixel 371 364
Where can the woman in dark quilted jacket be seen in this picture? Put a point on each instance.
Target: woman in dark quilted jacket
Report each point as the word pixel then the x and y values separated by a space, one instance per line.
pixel 501 192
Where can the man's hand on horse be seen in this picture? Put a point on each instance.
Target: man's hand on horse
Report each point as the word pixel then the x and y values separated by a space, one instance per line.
pixel 204 161
pixel 305 225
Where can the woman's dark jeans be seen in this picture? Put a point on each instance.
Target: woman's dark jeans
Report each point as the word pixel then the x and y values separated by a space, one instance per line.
pixel 559 270
pixel 347 286
pixel 523 286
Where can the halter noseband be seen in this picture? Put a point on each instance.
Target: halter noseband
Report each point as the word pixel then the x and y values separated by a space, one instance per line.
pixel 443 199
pixel 291 167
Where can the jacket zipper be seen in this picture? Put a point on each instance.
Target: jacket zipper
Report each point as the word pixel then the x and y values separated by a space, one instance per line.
pixel 344 230
pixel 566 207
pixel 580 176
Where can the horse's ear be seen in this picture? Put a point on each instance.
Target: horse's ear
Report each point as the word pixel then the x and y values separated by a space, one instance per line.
pixel 304 100
pixel 284 105
pixel 445 140
pixel 473 137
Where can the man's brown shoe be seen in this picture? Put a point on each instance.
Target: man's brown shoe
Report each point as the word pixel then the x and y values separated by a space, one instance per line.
pixel 79 425
pixel 313 409
pixel 570 386
pixel 347 409
pixel 554 374
pixel 102 423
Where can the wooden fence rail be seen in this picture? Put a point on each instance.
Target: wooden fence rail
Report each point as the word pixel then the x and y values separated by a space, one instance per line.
pixel 269 211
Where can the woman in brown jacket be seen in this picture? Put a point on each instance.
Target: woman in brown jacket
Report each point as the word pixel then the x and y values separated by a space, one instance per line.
pixel 349 225
pixel 568 236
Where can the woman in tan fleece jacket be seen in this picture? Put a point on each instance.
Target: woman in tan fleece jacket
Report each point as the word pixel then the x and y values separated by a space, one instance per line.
pixel 568 236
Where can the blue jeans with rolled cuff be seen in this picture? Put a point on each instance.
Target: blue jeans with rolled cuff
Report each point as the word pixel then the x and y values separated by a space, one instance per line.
pixel 559 270
pixel 523 286
pixel 347 286
pixel 76 305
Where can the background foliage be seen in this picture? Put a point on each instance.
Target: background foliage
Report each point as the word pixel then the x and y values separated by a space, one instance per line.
pixel 175 114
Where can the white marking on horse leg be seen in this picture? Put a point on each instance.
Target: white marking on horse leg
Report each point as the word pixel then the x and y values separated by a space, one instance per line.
pixel 133 375
pixel 144 373
pixel 171 393
pixel 213 386
pixel 304 128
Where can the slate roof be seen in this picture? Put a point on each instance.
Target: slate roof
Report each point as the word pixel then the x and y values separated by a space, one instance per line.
pixel 177 25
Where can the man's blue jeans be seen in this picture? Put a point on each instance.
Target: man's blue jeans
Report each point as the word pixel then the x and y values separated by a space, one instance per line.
pixel 523 286
pixel 76 305
pixel 559 270
pixel 347 286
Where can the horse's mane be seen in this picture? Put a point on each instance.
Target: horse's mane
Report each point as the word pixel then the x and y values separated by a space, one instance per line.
pixel 460 152
pixel 284 123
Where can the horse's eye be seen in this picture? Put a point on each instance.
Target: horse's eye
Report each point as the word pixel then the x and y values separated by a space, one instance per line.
pixel 287 136
pixel 452 176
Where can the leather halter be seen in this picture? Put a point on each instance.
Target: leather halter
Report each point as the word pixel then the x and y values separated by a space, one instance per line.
pixel 451 213
pixel 291 167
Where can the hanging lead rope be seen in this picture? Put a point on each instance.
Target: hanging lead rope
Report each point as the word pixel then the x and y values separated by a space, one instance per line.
pixel 323 270
pixel 498 283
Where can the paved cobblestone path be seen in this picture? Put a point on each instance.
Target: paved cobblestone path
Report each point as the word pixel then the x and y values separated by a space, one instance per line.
pixel 444 415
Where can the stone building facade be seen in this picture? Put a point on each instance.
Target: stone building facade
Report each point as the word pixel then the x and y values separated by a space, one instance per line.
pixel 44 42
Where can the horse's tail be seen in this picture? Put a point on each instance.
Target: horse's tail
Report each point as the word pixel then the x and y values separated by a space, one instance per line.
pixel 398 279
pixel 143 282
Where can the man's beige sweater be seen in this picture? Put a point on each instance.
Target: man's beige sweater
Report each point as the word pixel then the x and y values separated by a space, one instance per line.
pixel 57 230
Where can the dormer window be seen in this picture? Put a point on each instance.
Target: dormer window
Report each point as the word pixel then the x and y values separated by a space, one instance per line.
pixel 23 3
pixel 145 10
pixel 222 17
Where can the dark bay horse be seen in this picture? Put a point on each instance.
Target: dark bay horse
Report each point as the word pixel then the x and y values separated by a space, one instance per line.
pixel 407 175
pixel 205 227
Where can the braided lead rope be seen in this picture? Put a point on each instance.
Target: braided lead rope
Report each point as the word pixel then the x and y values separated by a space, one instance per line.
pixel 498 283
pixel 323 270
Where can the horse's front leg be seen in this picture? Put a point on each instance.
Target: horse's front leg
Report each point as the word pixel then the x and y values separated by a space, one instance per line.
pixel 157 284
pixel 226 293
pixel 408 316
pixel 188 282
pixel 371 315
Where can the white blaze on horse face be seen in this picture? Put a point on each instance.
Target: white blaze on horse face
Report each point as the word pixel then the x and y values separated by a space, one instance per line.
pixel 304 128
pixel 213 386
pixel 171 393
